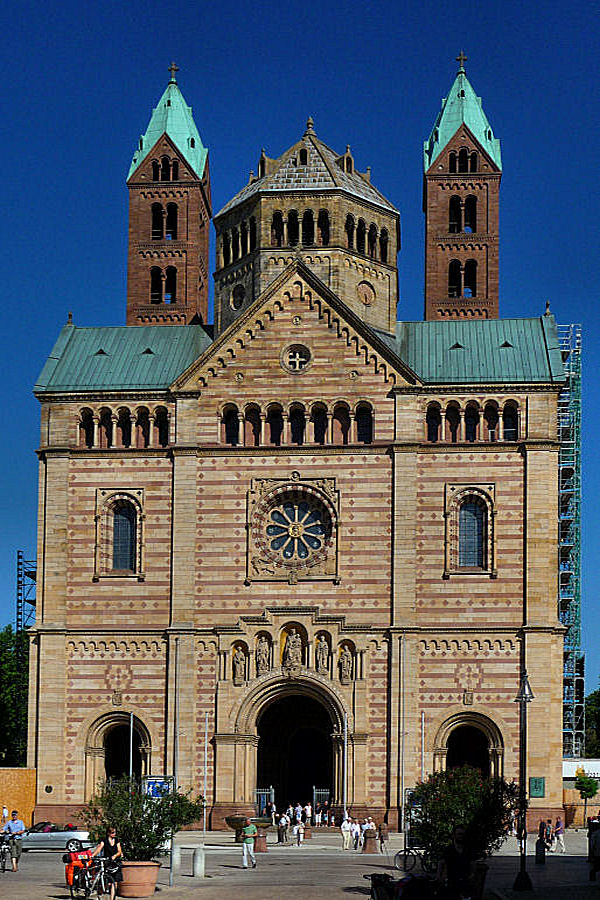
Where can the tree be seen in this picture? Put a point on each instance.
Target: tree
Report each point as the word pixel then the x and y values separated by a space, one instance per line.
pixel 592 725
pixel 587 787
pixel 485 806
pixel 14 665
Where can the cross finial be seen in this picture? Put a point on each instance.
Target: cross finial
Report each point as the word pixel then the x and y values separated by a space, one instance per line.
pixel 173 69
pixel 461 60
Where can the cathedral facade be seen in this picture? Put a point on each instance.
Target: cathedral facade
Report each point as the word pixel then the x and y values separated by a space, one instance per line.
pixel 309 550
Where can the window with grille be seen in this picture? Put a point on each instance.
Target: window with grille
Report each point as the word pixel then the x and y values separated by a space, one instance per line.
pixel 124 537
pixel 472 524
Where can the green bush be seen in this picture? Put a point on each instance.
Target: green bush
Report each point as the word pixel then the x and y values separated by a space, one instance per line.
pixel 462 797
pixel 144 824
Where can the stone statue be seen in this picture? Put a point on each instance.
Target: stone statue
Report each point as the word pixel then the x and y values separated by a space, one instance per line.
pixel 262 656
pixel 322 657
pixel 345 664
pixel 292 654
pixel 239 666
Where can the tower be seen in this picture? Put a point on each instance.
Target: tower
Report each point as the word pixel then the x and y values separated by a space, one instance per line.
pixel 462 172
pixel 310 203
pixel 169 216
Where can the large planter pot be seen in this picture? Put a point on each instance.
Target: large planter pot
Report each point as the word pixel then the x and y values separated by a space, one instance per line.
pixel 139 879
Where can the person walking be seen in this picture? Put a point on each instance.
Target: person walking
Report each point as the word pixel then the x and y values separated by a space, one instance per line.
pixel 15 828
pixel 346 829
pixel 384 836
pixel 282 828
pixel 300 832
pixel 355 833
pixel 4 814
pixel 559 834
pixel 110 850
pixel 249 832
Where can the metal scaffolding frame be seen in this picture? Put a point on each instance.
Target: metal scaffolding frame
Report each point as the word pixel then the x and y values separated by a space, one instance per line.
pixel 26 591
pixel 569 549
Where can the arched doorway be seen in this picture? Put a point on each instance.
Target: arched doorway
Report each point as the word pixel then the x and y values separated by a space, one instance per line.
pixel 295 748
pixel 469 746
pixel 116 752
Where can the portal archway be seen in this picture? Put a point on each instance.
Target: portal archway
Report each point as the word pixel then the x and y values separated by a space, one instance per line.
pixel 295 748
pixel 116 752
pixel 471 739
pixel 107 749
pixel 468 746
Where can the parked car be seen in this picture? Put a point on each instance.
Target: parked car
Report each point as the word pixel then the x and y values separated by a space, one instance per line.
pixel 49 836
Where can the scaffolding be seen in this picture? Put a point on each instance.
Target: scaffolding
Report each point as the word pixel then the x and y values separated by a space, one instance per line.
pixel 26 591
pixel 569 555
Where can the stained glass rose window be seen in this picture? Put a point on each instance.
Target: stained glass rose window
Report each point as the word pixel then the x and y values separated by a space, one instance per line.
pixel 297 528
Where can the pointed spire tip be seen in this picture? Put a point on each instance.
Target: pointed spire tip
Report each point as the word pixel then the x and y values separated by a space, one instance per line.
pixel 310 126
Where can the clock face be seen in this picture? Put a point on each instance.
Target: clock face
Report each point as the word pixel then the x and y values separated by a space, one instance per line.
pixel 366 293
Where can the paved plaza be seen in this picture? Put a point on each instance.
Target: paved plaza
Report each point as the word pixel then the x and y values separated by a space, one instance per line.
pixel 316 870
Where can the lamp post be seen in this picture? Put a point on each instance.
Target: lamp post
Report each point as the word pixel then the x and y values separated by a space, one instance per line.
pixel 525 696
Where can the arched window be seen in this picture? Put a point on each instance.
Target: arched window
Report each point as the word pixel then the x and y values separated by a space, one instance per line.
pixel 463 160
pixel 172 222
pixel 156 285
pixel 244 238
pixel 470 288
pixel 471 214
pixel 364 424
pixel 253 233
pixel 372 241
pixel 452 163
pixel 293 228
pixel 157 222
pixel 124 428
pixel 433 421
pixel 490 415
pixel 471 424
pixel 319 424
pixel 303 156
pixel 165 169
pixel 473 162
pixel 383 245
pixel 142 429
pixel 252 427
pixel 105 429
pixel 161 426
pixel 124 537
pixel 510 422
pixel 454 279
pixel 341 424
pixel 235 244
pixel 171 284
pixel 226 248
pixel 277 230
pixel 361 233
pixel 472 533
pixel 349 228
pixel 323 228
pixel 231 427
pixel 86 428
pixel 297 425
pixel 454 215
pixel 155 170
pixel 274 426
pixel 308 228
pixel 452 424
pixel 175 170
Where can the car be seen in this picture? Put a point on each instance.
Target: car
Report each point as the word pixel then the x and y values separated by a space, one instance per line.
pixel 50 836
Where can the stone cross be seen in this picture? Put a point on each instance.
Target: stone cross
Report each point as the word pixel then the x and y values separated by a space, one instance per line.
pixel 173 69
pixel 461 59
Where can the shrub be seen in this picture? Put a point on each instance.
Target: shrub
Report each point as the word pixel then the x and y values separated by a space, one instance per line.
pixel 144 824
pixel 485 807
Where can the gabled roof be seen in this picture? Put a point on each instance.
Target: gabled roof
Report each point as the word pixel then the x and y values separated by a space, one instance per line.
pixel 321 173
pixel 121 358
pixel 173 117
pixel 461 106
pixel 471 351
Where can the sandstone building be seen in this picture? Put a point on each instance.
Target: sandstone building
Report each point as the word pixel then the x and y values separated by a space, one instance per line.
pixel 310 521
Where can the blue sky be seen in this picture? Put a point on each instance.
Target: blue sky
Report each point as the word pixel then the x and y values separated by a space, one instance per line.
pixel 81 79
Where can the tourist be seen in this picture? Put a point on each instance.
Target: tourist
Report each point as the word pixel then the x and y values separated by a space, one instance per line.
pixel 384 836
pixel 308 813
pixel 4 814
pixel 15 829
pixel 318 814
pixel 298 812
pixel 110 850
pixel 282 829
pixel 559 834
pixel 346 829
pixel 355 833
pixel 249 832
pixel 549 835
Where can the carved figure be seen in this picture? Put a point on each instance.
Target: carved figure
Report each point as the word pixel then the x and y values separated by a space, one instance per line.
pixel 262 656
pixel 292 654
pixel 345 664
pixel 239 666
pixel 322 657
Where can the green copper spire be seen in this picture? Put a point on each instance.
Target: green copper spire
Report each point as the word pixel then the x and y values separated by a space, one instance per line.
pixel 461 106
pixel 173 117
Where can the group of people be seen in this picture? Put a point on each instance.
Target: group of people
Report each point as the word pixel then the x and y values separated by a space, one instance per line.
pixel 322 814
pixel 552 836
pixel 353 833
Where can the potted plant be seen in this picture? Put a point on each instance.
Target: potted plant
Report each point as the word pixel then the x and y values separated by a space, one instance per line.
pixel 144 827
pixel 462 796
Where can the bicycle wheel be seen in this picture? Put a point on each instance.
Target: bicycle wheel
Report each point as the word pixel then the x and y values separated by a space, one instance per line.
pixel 3 861
pixel 405 860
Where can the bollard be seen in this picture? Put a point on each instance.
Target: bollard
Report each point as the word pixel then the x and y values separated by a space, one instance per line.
pixel 176 858
pixel 198 862
pixel 540 852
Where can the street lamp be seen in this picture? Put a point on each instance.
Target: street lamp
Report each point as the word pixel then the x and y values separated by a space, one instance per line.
pixel 525 696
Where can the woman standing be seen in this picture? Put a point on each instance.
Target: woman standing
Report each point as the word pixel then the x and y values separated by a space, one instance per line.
pixel 110 850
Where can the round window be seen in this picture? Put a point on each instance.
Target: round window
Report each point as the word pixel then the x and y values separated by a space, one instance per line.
pixel 237 297
pixel 294 529
pixel 366 293
pixel 296 358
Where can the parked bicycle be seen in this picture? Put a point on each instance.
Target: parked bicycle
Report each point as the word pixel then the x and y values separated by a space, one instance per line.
pixel 405 860
pixel 88 878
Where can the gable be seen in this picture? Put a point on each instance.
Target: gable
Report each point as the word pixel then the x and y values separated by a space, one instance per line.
pixel 461 137
pixel 164 146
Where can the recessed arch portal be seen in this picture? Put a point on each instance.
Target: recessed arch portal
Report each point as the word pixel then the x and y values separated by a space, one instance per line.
pixel 469 739
pixel 107 749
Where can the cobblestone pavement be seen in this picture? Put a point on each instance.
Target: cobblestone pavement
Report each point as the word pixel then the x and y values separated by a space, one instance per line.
pixel 318 869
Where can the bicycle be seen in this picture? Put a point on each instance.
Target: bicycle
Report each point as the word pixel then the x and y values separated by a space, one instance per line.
pixel 5 859
pixel 89 879
pixel 405 860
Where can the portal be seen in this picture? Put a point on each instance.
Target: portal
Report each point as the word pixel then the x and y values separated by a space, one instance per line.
pixel 116 752
pixel 468 746
pixel 295 749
